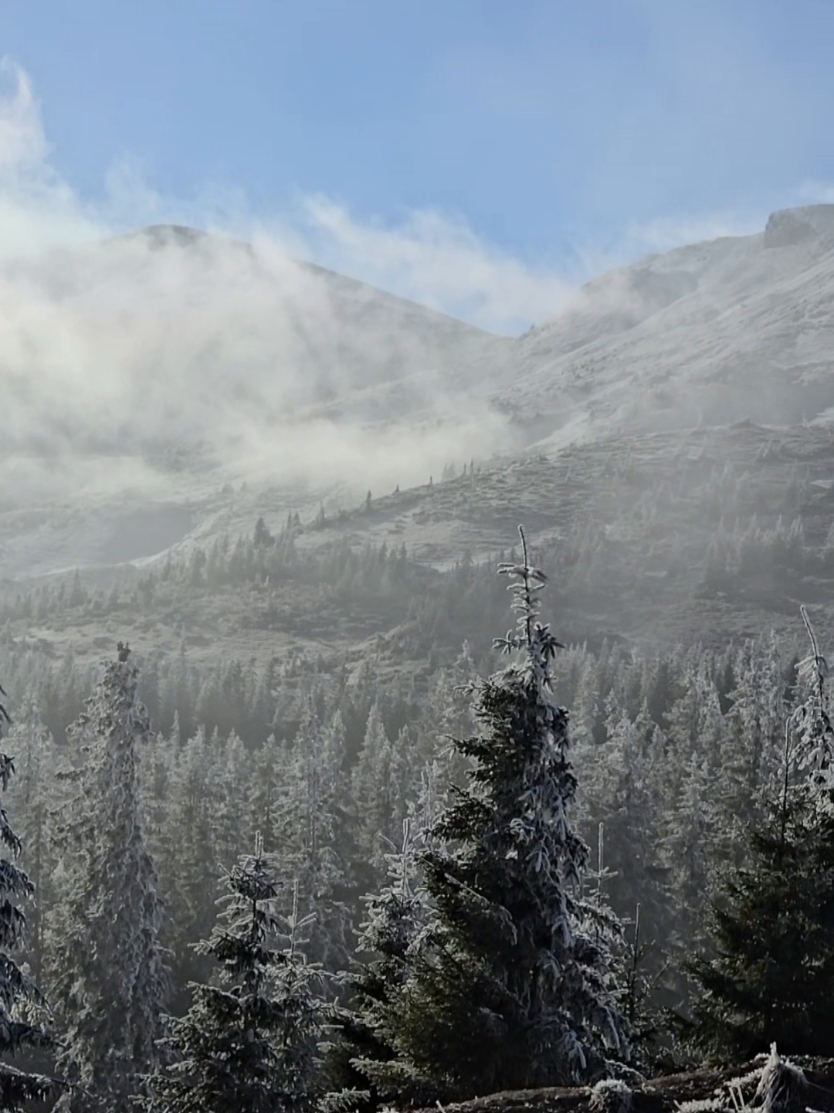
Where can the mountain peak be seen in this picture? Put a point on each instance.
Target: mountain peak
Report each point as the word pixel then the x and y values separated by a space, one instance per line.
pixel 167 235
pixel 790 226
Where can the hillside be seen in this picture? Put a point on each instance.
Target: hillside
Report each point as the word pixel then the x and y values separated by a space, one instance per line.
pixel 652 540
pixel 138 349
pixel 709 333
pixel 169 388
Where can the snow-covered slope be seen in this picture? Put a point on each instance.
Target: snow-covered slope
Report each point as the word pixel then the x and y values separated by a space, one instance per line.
pixel 709 333
pixel 172 336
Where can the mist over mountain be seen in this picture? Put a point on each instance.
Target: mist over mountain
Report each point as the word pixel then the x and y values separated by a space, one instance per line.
pixel 171 336
pixel 142 374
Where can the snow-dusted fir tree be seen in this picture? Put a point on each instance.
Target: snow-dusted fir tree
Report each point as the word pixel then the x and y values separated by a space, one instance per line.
pixel 17 990
pixel 32 794
pixel 511 984
pixel 372 789
pixel 249 1042
pixel 110 980
pixel 303 831
pixel 358 1064
pixel 770 977
pixel 187 846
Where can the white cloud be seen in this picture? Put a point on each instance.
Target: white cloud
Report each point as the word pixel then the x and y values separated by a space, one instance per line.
pixel 437 260
pixel 23 144
pixel 126 348
pixel 816 193
pixel 428 256
pixel 38 210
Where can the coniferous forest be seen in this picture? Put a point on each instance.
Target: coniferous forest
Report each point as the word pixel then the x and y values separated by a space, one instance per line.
pixel 315 887
pixel 416 557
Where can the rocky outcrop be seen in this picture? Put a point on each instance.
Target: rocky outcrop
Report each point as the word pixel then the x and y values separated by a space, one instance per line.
pixel 785 228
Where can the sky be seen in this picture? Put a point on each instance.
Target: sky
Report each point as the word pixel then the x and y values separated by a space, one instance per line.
pixel 482 156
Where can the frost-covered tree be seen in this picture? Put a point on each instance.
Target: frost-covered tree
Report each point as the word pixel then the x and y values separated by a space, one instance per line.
pixel 110 980
pixel 32 797
pixel 511 985
pixel 249 1042
pixel 358 1066
pixel 20 1000
pixel 372 788
pixel 187 847
pixel 771 978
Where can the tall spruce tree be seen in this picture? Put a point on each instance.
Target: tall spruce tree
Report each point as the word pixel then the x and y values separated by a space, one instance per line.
pixel 772 976
pixel 511 983
pixel 110 980
pixel 20 999
pixel 32 796
pixel 249 1043
pixel 358 1066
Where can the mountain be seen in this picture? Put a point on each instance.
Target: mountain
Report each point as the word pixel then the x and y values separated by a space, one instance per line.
pixel 739 327
pixel 164 390
pixel 171 337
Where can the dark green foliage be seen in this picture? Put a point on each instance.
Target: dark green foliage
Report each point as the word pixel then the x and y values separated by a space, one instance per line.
pixel 21 1004
pixel 510 985
pixel 249 1043
pixel 358 1062
pixel 772 979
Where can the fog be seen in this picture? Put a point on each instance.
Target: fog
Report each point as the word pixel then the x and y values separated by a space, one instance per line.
pixel 159 339
pixel 226 345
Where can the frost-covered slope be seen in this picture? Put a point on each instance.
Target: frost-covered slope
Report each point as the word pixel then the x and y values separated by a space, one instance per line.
pixel 709 333
pixel 172 336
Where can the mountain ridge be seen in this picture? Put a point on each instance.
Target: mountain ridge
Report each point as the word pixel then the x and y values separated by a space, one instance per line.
pixel 187 396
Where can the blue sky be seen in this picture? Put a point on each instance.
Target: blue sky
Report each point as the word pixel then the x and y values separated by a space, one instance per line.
pixel 550 137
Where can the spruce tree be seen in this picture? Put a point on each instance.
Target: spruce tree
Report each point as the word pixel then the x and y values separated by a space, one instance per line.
pixel 110 980
pixel 358 1064
pixel 372 791
pixel 511 985
pixel 249 1043
pixel 20 999
pixel 771 978
pixel 187 846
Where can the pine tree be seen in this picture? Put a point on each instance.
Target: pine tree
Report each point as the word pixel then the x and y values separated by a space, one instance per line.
pixel 372 790
pixel 20 999
pixel 32 794
pixel 511 984
pixel 393 918
pixel 187 846
pixel 110 980
pixel 305 831
pixel 250 1042
pixel 772 978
